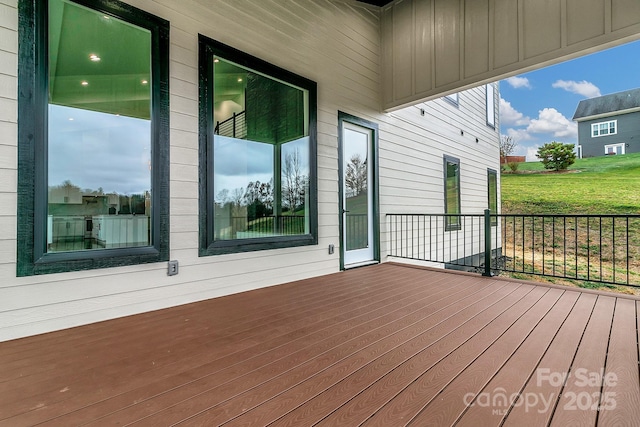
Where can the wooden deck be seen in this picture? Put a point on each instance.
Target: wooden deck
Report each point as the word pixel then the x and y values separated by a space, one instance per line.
pixel 386 345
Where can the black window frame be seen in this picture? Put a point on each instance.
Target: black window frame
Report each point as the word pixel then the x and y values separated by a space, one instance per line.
pixel 491 102
pixel 207 49
pixel 32 258
pixel 450 225
pixel 494 173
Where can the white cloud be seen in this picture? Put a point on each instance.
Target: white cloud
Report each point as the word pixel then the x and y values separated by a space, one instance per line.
pixel 584 88
pixel 552 121
pixel 519 134
pixel 518 82
pixel 549 122
pixel 531 153
pixel 509 116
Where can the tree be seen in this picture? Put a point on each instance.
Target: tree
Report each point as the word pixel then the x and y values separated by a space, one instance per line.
pixel 294 181
pixel 356 176
pixel 556 155
pixel 507 147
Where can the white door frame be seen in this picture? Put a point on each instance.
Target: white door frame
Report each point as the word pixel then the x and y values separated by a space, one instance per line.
pixel 371 254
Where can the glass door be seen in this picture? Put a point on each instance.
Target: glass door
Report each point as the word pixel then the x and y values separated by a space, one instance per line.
pixel 357 195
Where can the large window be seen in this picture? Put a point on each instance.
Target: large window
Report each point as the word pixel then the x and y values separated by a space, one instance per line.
pixel 95 98
pixel 604 128
pixel 491 105
pixel 492 183
pixel 452 192
pixel 257 140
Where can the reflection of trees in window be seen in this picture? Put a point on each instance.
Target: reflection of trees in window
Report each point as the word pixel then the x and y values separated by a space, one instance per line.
pixel 260 193
pixel 356 176
pixel 294 181
pixel 69 199
pixel 452 192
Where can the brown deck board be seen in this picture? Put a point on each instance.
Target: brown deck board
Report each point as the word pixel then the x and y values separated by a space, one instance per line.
pixel 455 376
pixel 520 376
pixel 336 332
pixel 249 392
pixel 557 360
pixel 419 339
pixel 394 365
pixel 380 345
pixel 248 360
pixel 590 357
pixel 620 400
pixel 209 355
pixel 360 408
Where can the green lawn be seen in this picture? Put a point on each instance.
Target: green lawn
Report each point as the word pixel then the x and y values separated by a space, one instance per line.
pixel 598 185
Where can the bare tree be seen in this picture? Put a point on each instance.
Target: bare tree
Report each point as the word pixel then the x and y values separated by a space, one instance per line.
pixel 223 196
pixel 294 181
pixel 356 176
pixel 507 147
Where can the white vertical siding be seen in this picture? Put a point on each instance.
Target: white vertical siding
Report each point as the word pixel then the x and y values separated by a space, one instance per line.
pixel 335 43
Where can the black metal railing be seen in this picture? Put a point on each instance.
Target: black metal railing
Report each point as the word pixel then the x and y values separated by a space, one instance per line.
pixel 233 127
pixel 357 231
pixel 591 248
pixel 266 225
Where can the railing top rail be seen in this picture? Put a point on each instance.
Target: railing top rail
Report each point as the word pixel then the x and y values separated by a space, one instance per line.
pixel 523 215
pixel 440 215
pixel 568 215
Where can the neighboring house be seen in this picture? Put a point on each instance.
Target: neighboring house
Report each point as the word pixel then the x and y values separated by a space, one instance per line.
pixel 609 124
pixel 253 143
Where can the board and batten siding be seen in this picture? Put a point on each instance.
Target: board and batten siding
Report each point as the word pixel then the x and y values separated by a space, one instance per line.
pixel 436 46
pixel 335 43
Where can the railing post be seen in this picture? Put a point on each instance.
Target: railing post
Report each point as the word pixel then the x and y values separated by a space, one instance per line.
pixel 487 243
pixel 234 125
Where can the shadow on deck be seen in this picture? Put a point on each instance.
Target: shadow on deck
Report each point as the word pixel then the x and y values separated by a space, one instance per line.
pixel 385 345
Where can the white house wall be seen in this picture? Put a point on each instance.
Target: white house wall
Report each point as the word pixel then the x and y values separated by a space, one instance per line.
pixel 436 46
pixel 336 44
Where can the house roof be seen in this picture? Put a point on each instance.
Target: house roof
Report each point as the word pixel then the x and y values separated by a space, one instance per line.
pixel 603 105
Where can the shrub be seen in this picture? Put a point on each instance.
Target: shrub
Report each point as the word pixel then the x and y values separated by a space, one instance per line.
pixel 556 155
pixel 513 166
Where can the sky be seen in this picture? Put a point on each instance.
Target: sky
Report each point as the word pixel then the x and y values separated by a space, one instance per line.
pixel 537 107
pixel 98 150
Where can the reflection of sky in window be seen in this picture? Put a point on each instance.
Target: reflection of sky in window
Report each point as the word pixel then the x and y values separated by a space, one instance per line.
pixel 237 162
pixel 302 145
pixel 93 150
pixel 355 144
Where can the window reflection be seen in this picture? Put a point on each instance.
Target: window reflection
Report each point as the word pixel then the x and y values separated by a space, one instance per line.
pixel 99 132
pixel 452 193
pixel 261 155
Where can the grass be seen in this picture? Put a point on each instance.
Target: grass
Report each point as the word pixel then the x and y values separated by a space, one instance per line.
pixel 599 185
pixel 602 185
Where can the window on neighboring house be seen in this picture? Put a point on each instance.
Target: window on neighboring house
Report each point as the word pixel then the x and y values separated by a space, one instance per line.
pixel 492 183
pixel 258 148
pixel 612 149
pixel 491 105
pixel 93 136
pixel 452 193
pixel 452 98
pixel 604 128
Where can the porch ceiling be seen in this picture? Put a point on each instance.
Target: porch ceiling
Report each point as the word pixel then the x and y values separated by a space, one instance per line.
pixel 382 345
